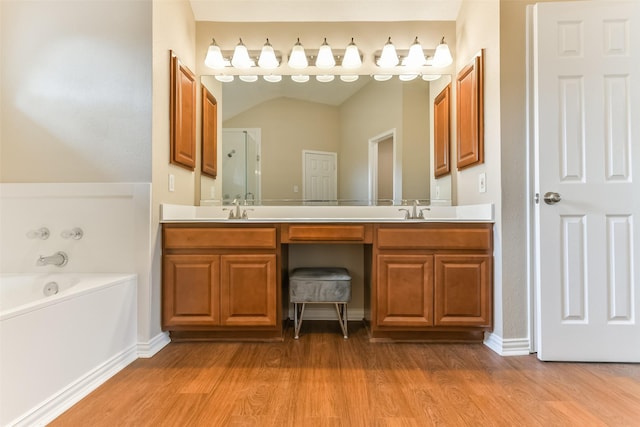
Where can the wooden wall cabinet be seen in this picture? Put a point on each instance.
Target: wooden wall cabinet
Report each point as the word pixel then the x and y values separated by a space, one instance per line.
pixel 442 132
pixel 182 120
pixel 470 113
pixel 209 143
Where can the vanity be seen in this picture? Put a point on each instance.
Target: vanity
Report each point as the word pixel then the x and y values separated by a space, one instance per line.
pixel 425 279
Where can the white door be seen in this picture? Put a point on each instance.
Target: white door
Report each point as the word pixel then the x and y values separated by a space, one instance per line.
pixel 320 175
pixel 587 121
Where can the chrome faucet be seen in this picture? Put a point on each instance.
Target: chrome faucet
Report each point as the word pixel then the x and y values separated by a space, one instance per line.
pixel 234 213
pixel 415 213
pixel 59 259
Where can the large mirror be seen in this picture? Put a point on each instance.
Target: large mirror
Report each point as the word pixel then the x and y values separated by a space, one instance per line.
pixel 365 141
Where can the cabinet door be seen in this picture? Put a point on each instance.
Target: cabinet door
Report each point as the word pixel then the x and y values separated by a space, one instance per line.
pixel 463 295
pixel 248 290
pixel 190 290
pixel 405 290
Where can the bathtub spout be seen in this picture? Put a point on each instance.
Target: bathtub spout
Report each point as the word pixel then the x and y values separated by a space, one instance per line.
pixel 58 259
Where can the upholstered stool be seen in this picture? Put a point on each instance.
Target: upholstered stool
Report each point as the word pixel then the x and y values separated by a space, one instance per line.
pixel 320 285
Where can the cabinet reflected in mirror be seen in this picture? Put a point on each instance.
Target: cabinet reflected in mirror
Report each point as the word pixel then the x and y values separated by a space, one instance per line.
pixel 344 120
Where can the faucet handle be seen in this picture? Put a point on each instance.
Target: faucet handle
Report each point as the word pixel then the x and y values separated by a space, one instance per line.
pixel 232 215
pixel 75 233
pixel 245 215
pixel 41 233
pixel 407 214
pixel 421 215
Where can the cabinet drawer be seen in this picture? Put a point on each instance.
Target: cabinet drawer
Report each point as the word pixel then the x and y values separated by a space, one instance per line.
pixel 220 238
pixel 435 238
pixel 326 233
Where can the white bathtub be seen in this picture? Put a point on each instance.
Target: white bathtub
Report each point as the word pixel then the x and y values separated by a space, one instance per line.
pixel 56 349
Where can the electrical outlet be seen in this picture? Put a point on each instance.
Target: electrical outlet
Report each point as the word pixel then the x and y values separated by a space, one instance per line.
pixel 437 191
pixel 482 183
pixel 213 192
pixel 172 182
pixel 295 188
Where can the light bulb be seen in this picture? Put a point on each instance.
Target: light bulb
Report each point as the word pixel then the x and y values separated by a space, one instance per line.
pixel 389 57
pixel 298 59
pixel 268 58
pixel 240 57
pixel 442 57
pixel 214 58
pixel 325 57
pixel 351 58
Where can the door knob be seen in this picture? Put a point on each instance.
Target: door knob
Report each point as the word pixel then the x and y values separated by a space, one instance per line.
pixel 551 198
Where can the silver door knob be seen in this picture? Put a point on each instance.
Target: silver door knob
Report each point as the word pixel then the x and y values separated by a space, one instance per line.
pixel 551 198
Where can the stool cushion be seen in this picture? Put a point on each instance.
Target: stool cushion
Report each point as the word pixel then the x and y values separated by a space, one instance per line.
pixel 320 284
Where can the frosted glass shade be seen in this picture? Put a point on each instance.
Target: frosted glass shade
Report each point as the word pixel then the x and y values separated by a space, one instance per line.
pixel 240 57
pixel 268 59
pixel 389 57
pixel 351 58
pixel 416 56
pixel 325 57
pixel 442 57
pixel 298 58
pixel 214 58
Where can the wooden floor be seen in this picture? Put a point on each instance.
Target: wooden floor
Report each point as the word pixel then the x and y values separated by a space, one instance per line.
pixel 324 380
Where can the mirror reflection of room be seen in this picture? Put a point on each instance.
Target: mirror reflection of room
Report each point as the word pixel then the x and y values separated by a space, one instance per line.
pixel 271 130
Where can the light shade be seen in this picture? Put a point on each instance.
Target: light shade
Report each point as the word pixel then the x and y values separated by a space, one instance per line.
pixel 248 79
pixel 240 57
pixel 214 58
pixel 431 77
pixel 416 56
pixel 348 78
pixel 389 57
pixel 442 57
pixel 325 57
pixel 351 58
pixel 268 59
pixel 300 78
pixel 298 59
pixel 325 78
pixel 272 78
pixel 407 77
pixel 224 78
pixel 382 77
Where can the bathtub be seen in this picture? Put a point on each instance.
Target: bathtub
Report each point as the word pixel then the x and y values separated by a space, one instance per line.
pixel 56 348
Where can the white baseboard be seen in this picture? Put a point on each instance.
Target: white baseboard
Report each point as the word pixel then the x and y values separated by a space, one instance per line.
pixel 49 409
pixel 508 347
pixel 150 348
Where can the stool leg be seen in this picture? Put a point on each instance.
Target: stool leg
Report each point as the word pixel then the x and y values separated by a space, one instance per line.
pixel 342 318
pixel 297 319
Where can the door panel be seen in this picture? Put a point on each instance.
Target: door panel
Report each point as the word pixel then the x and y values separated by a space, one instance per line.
pixel 586 105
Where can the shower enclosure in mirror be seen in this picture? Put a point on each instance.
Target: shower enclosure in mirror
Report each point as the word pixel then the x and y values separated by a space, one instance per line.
pixel 241 165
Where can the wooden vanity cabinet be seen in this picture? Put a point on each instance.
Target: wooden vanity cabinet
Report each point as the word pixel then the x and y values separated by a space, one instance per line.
pixel 221 282
pixel 432 281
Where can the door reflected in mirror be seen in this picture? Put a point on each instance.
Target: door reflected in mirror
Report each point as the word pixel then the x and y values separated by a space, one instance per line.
pixel 285 120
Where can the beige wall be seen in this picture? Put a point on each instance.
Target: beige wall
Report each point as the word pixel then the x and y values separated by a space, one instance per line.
pixel 416 141
pixel 310 126
pixel 173 29
pixel 478 27
pixel 76 91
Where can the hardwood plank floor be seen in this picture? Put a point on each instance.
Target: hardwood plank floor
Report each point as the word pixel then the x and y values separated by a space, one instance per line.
pixel 324 380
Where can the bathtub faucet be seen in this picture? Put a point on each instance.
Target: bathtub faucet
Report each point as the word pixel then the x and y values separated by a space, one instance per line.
pixel 58 259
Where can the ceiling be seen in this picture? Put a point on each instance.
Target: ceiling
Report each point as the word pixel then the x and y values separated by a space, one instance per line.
pixel 324 10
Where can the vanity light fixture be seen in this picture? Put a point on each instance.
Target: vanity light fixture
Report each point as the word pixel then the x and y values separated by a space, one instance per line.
pixel 267 59
pixel 416 57
pixel 241 57
pixel 325 57
pixel 248 79
pixel 389 57
pixel 214 58
pixel 273 78
pixel 352 57
pixel 442 57
pixel 298 59
pixel 300 78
